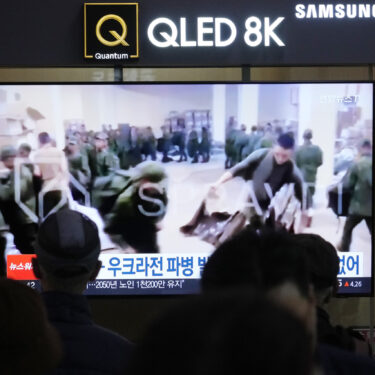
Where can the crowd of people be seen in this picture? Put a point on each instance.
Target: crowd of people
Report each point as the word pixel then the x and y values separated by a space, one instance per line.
pixel 270 156
pixel 261 310
pixel 127 146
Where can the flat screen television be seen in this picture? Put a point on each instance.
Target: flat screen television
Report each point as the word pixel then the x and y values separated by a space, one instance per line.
pixel 152 152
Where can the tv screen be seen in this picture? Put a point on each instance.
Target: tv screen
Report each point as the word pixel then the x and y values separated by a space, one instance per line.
pixel 168 171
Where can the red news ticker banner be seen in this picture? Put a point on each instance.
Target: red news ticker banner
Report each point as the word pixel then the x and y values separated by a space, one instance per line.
pixel 20 267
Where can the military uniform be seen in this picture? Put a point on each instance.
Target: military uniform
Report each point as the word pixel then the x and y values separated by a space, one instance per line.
pixel 240 142
pixel 179 140
pixel 309 158
pixel 205 146
pixel 79 168
pixel 102 163
pixel 148 147
pixel 358 181
pixel 130 208
pixel 230 149
pixel 193 146
pixel 253 139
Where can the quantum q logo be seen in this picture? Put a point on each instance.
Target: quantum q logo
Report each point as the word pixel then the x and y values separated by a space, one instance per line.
pixel 120 39
pixel 111 31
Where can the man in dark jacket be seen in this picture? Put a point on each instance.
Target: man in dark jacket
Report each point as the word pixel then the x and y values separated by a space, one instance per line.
pixel 68 248
pixel 269 170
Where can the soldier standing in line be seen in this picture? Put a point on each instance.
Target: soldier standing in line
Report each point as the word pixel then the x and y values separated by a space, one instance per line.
pixel 266 139
pixel 205 146
pixel 84 144
pixel 358 181
pixel 309 158
pixel 23 152
pixel 179 139
pixel 78 168
pixel 135 155
pixel 240 142
pixel 193 144
pixel 149 144
pixel 101 160
pixel 230 150
pixel 165 143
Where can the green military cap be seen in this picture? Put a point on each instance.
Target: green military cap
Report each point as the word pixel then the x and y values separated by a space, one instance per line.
pixel 7 152
pixel 149 170
pixel 101 135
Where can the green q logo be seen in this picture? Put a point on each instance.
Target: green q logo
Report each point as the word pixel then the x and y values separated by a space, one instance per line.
pixel 119 39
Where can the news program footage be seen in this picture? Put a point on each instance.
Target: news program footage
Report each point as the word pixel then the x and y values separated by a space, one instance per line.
pixel 169 171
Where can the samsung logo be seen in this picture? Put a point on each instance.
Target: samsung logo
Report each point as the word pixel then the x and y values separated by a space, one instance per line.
pixel 340 11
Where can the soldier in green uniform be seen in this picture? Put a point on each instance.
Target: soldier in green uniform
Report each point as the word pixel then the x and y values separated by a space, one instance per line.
pixel 266 137
pixel 193 144
pixel 358 181
pixel 240 142
pixel 101 161
pixel 20 220
pixel 78 168
pixel 84 144
pixel 251 142
pixel 132 203
pixel 309 158
pixel 205 146
pixel 230 137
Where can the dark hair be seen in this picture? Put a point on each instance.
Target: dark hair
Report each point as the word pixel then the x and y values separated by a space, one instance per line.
pixel 235 263
pixel 366 143
pixel 44 138
pixel 323 260
pixel 25 146
pixel 307 134
pixel 28 343
pixel 282 261
pixel 224 334
pixel 286 141
pixel 266 259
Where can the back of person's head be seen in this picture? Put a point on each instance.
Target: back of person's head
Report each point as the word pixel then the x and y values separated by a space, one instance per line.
pixel 234 263
pixel 67 249
pixel 28 343
pixel 281 262
pixel 7 152
pixel 44 138
pixel 366 147
pixel 225 333
pixel 307 134
pixel 265 259
pixel 323 262
pixel 268 260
